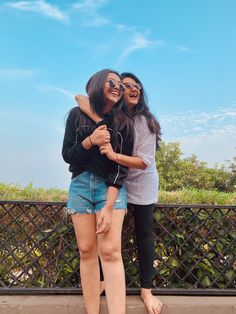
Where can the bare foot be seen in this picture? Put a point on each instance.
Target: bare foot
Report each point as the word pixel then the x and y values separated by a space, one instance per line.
pixel 102 287
pixel 152 303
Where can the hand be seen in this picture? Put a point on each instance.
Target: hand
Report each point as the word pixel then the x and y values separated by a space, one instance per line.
pixel 108 151
pixel 104 219
pixel 100 136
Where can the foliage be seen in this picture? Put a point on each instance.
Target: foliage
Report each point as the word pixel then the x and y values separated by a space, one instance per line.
pixel 232 168
pixel 178 173
pixel 194 196
pixel 194 247
pixel 16 192
pixel 38 246
pixel 184 196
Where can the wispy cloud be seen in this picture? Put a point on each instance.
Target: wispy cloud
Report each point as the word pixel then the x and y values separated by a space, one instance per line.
pixel 16 74
pixel 41 7
pixel 138 41
pixel 201 132
pixel 183 48
pixel 226 133
pixel 193 119
pixel 89 9
pixel 217 145
pixel 55 89
pixel 89 5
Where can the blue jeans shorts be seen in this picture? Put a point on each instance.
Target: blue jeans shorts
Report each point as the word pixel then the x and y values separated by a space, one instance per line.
pixel 88 193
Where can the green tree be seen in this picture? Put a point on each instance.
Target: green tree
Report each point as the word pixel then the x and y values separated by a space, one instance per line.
pixel 232 177
pixel 177 173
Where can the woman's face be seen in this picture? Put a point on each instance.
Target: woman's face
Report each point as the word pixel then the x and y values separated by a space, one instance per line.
pixel 132 92
pixel 112 90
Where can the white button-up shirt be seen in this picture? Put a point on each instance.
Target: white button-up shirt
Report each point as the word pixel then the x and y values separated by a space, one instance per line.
pixel 142 185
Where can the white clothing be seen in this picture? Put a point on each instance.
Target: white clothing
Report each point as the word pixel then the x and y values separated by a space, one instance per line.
pixel 142 185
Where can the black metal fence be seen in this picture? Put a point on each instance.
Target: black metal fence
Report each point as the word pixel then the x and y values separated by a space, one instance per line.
pixel 195 250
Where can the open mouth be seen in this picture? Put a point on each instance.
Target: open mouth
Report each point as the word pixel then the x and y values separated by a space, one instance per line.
pixel 133 96
pixel 115 93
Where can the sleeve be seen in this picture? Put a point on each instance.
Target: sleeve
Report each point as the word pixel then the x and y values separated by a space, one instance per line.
pixel 146 143
pixel 73 151
pixel 118 173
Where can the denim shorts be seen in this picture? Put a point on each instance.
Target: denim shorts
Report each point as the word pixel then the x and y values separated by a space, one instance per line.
pixel 88 193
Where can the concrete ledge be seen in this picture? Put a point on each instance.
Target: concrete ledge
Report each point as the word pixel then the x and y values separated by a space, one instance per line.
pixel 73 304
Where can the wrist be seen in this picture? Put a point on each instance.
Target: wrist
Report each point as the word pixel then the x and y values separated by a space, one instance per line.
pixel 86 143
pixel 90 140
pixel 117 157
pixel 108 207
pixel 113 156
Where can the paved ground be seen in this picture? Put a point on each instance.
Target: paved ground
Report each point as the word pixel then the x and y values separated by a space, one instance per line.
pixel 73 304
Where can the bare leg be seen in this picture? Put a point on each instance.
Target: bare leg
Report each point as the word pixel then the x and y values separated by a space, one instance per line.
pixel 102 283
pixel 109 245
pixel 85 231
pixel 102 286
pixel 152 303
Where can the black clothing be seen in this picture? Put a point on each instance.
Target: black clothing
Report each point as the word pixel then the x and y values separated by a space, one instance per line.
pixel 143 220
pixel 81 159
pixel 143 225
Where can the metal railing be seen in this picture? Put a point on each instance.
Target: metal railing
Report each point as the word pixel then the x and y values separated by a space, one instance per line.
pixel 195 249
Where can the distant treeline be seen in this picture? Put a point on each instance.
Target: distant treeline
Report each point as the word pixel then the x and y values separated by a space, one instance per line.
pixel 184 196
pixel 182 180
pixel 177 173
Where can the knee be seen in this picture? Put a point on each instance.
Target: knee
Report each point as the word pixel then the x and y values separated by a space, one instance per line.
pixel 110 253
pixel 87 251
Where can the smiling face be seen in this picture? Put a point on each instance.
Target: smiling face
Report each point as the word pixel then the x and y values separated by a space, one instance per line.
pixel 112 91
pixel 131 93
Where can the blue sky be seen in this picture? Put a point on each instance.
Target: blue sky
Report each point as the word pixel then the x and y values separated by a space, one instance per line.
pixel 183 51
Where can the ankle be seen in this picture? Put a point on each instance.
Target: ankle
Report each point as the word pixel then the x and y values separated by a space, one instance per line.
pixel 146 292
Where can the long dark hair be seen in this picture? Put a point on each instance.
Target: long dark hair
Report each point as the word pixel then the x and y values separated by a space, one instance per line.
pixel 142 108
pixel 118 116
pixel 94 89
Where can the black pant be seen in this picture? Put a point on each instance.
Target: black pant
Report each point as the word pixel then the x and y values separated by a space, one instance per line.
pixel 143 220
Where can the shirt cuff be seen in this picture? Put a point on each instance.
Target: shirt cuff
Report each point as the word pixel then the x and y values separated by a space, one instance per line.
pixel 146 158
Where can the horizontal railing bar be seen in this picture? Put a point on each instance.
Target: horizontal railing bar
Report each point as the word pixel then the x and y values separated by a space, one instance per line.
pixel 157 205
pixel 129 291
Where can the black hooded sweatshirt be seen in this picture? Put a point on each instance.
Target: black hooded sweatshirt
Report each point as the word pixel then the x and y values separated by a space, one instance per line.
pixel 81 159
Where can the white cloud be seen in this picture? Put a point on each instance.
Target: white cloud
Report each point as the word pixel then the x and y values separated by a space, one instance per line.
pixel 226 133
pixel 137 42
pixel 89 9
pixel 215 146
pixel 183 48
pixel 89 5
pixel 193 119
pixel 209 135
pixel 42 7
pixel 121 27
pixel 16 74
pixel 49 88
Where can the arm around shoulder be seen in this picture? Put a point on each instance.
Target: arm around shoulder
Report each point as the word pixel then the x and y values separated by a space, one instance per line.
pixel 84 105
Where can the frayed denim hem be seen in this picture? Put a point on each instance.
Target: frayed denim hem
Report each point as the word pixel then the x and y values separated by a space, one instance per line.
pixel 72 211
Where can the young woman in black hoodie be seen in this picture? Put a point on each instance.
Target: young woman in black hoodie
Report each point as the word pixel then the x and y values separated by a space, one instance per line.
pixel 97 198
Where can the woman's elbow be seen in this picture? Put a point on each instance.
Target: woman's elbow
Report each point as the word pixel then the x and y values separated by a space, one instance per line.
pixel 139 163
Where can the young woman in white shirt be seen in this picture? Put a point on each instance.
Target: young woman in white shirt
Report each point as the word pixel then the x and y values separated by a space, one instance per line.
pixel 142 180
